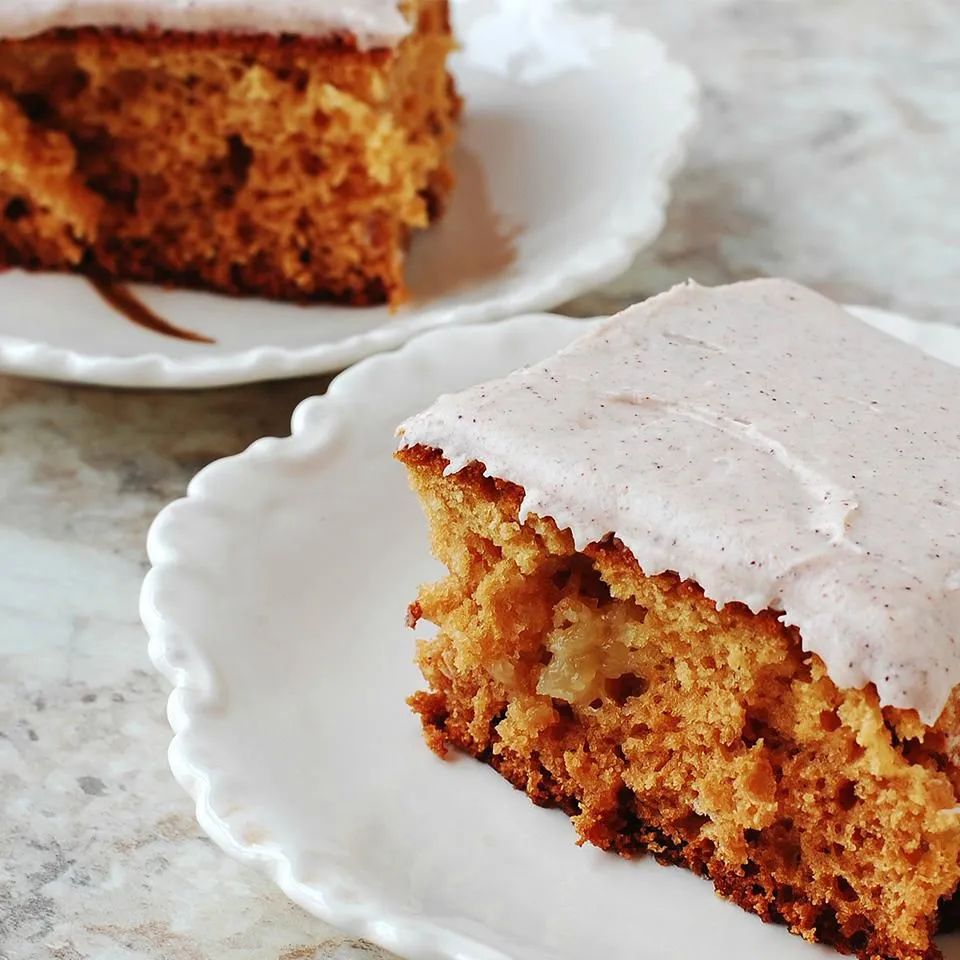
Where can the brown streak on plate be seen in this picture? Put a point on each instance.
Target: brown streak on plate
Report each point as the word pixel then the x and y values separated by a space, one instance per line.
pixel 125 302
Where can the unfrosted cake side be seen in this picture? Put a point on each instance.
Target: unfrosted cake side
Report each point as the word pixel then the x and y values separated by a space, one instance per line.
pixel 289 155
pixel 703 593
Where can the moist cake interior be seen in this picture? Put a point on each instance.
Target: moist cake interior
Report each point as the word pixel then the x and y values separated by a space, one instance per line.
pixel 660 723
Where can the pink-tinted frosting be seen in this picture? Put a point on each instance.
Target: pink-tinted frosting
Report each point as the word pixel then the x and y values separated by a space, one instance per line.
pixel 374 23
pixel 758 439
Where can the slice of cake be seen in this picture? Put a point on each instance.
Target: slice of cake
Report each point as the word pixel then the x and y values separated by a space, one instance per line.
pixel 283 149
pixel 704 596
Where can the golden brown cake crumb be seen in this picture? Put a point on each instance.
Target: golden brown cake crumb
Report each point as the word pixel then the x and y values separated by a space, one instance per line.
pixel 286 167
pixel 660 724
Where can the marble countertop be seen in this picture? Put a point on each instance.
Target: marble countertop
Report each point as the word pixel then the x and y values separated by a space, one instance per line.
pixel 828 152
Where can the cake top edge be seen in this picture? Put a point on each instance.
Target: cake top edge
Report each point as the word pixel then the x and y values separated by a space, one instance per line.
pixel 372 23
pixel 760 440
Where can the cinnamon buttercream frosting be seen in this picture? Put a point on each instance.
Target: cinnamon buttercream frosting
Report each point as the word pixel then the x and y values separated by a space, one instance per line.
pixel 374 23
pixel 757 439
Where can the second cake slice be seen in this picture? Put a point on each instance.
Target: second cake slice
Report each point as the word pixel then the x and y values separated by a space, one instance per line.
pixel 281 149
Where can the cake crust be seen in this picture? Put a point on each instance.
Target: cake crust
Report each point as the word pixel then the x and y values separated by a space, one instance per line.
pixel 628 835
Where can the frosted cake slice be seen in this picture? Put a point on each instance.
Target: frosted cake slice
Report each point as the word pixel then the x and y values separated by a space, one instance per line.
pixel 280 148
pixel 704 595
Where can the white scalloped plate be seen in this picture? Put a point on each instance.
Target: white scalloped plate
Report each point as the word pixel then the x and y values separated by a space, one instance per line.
pixel 276 608
pixel 572 131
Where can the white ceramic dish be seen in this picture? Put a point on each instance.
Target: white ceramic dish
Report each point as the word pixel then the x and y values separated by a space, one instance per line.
pixel 572 131
pixel 276 607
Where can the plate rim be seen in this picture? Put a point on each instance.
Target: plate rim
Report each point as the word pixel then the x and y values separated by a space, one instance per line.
pixel 390 930
pixel 603 257
pixel 312 421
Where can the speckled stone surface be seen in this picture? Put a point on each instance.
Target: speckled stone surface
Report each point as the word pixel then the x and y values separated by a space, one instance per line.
pixel 829 151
